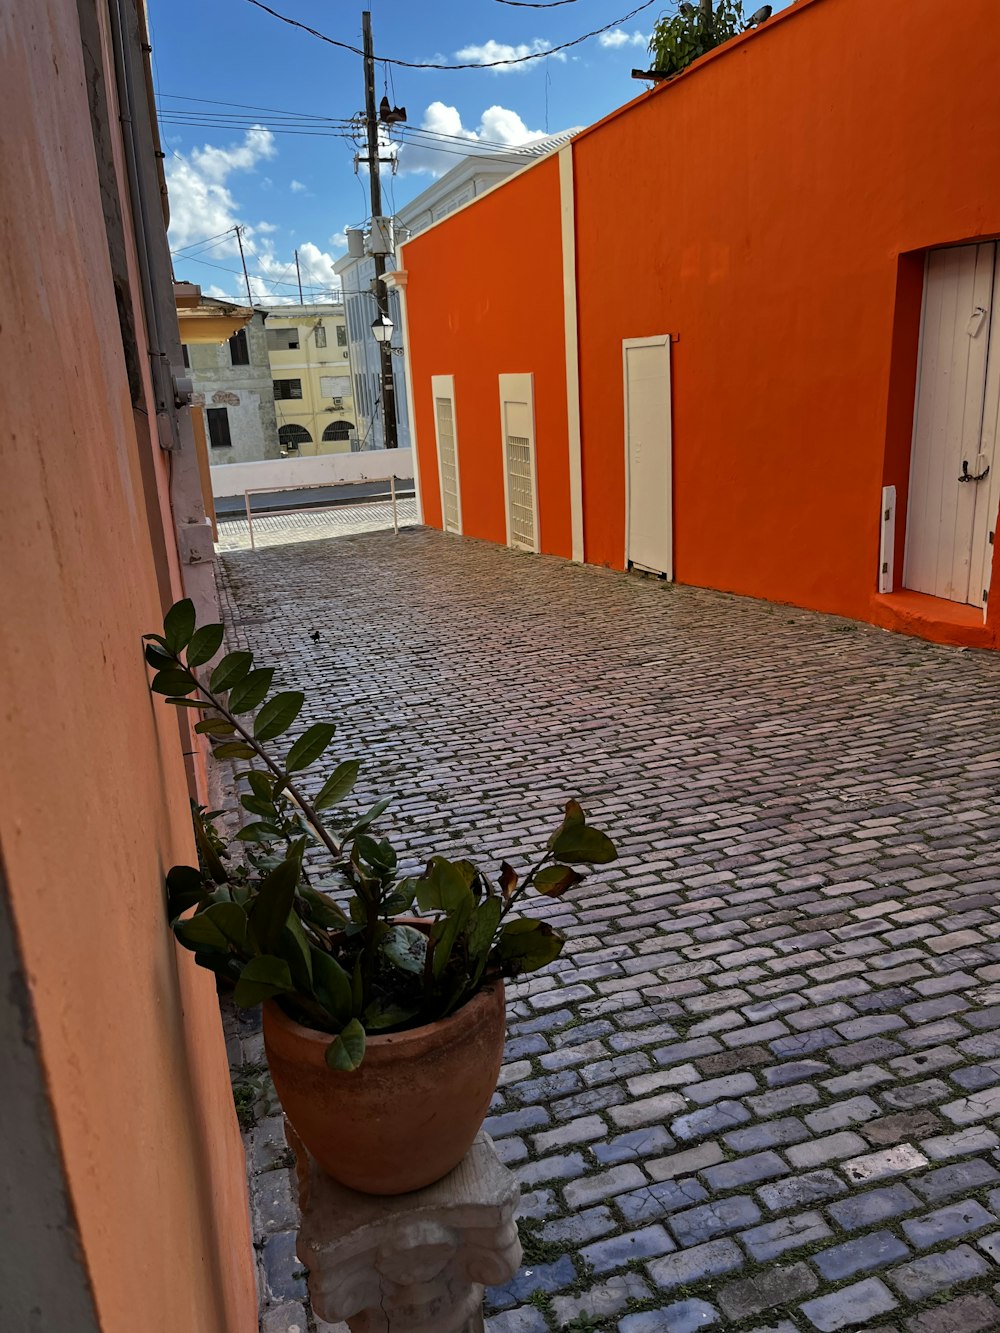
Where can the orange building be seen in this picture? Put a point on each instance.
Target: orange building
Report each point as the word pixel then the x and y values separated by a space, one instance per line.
pixel 740 333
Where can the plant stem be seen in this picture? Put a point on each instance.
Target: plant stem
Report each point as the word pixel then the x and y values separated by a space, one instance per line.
pixel 331 844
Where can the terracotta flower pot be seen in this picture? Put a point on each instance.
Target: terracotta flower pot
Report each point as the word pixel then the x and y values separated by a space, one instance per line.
pixel 409 1114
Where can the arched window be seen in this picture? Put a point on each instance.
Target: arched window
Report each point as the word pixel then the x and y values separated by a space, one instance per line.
pixel 338 430
pixel 291 436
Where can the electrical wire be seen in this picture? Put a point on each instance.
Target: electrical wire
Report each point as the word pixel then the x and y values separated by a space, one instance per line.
pixel 432 64
pixel 316 124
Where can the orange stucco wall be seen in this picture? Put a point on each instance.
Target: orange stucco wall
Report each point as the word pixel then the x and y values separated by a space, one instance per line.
pixel 93 796
pixel 768 209
pixel 485 298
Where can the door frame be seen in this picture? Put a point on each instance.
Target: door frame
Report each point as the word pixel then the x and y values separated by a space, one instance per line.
pixel 992 331
pixel 519 388
pixel 443 386
pixel 654 340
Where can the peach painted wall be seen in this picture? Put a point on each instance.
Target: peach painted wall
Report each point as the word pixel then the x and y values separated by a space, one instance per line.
pixel 93 798
pixel 769 208
pixel 485 298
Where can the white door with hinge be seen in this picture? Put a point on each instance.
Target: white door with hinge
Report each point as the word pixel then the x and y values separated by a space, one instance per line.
pixel 520 480
pixel 953 495
pixel 649 535
pixel 443 391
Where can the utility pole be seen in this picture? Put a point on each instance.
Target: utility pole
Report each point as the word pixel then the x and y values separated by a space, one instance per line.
pixel 298 275
pixel 375 185
pixel 246 276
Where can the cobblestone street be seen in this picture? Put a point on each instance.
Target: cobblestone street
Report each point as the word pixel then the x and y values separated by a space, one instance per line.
pixel 761 1088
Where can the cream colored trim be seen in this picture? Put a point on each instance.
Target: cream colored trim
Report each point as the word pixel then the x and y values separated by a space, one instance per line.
pixel 520 388
pixel 572 341
pixel 443 386
pixel 398 284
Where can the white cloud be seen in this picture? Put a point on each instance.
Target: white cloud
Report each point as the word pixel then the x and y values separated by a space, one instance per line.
pixel 619 37
pixel 201 203
pixel 488 52
pixel 297 187
pixel 202 206
pixel 497 125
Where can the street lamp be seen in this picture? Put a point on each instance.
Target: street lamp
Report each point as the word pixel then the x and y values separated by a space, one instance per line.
pixel 382 328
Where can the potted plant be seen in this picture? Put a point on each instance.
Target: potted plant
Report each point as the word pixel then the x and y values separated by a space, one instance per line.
pixel 381 1028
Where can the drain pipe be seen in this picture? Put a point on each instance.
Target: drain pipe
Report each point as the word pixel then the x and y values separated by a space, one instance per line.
pixel 168 393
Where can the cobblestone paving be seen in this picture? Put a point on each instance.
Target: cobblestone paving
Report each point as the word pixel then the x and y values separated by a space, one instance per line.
pixel 309 525
pixel 761 1088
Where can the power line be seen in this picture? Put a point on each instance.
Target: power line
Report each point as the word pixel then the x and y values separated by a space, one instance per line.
pixel 315 124
pixel 431 64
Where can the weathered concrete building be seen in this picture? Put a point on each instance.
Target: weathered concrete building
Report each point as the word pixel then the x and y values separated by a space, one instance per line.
pixel 233 383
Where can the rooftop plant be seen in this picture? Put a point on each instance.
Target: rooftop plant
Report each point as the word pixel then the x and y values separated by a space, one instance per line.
pixel 266 922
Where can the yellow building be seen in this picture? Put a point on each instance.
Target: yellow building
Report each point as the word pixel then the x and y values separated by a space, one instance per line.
pixel 307 348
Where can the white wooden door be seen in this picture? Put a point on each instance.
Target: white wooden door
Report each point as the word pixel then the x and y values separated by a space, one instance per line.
pixel 948 513
pixel 648 455
pixel 987 519
pixel 443 390
pixel 517 418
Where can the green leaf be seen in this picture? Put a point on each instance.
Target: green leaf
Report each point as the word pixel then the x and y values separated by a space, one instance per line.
pixel 277 715
pixel 258 806
pixel 205 643
pixel 580 842
pixel 379 855
pixel 382 1014
pixel 484 927
pixel 294 948
pixel 173 681
pixel 526 945
pixel 320 910
pixel 273 903
pixel 406 948
pixel 209 856
pixel 185 888
pixel 401 898
pixel 261 784
pixel 185 703
pixel 157 658
pixel 368 818
pixel 310 745
pixel 259 831
pixel 444 887
pixel 338 784
pixel 178 625
pixel 234 750
pixel 348 1050
pixel 218 926
pixel 331 986
pixel 230 671
pixel 446 930
pixel 573 818
pixel 260 979
pixel 215 726
pixel 251 691
pixel 553 881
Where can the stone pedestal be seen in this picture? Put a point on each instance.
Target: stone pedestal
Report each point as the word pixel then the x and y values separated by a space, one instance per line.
pixel 409 1263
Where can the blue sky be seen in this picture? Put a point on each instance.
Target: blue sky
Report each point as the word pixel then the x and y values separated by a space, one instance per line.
pixel 231 164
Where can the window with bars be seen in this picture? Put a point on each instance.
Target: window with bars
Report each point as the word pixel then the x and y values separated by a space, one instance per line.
pixel 288 388
pixel 218 427
pixel 341 335
pixel 320 335
pixel 239 352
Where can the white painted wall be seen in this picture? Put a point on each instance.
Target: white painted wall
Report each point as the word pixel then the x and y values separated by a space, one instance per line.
pixel 325 469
